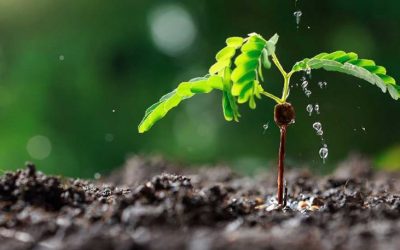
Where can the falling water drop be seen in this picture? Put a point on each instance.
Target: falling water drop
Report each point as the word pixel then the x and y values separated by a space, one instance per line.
pixel 308 72
pixel 317 126
pixel 298 14
pixel 309 109
pixel 322 84
pixel 323 153
pixel 316 108
pixel 304 84
pixel 265 127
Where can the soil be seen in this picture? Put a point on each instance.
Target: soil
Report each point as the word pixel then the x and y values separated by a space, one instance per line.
pixel 153 204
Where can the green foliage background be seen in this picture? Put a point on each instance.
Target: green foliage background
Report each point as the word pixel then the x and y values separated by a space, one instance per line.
pixel 112 63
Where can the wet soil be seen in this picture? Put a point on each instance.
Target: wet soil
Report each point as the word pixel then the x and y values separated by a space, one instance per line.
pixel 153 204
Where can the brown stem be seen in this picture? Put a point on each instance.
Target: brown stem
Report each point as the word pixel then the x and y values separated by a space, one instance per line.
pixel 281 166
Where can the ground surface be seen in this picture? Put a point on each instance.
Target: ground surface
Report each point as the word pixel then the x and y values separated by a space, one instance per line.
pixel 214 208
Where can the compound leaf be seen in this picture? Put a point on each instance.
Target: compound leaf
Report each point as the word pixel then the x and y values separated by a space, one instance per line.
pixel 184 91
pixel 245 75
pixel 349 63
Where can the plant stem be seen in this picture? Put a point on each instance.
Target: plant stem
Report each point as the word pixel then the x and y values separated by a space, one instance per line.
pixel 273 97
pixel 278 65
pixel 285 93
pixel 286 77
pixel 281 164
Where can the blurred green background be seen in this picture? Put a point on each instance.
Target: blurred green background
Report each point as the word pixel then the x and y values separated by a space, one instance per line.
pixel 77 76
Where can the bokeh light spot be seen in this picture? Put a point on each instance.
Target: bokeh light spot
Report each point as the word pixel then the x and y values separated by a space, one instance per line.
pixel 39 147
pixel 172 29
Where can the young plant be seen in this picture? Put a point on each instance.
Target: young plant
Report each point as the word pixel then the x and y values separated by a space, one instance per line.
pixel 237 73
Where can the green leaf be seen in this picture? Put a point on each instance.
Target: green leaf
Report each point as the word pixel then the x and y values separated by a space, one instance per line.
pixel 265 59
pixel 234 42
pixel 225 54
pixel 219 66
pixel 349 63
pixel 167 102
pixel 248 69
pixel 230 108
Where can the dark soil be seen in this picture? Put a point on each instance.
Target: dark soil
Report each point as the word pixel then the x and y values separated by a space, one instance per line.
pixel 196 209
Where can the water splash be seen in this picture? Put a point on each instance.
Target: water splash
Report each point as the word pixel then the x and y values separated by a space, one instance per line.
pixel 307 92
pixel 298 15
pixel 309 109
pixel 323 153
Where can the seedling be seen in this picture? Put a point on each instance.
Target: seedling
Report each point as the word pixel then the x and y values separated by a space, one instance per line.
pixel 238 74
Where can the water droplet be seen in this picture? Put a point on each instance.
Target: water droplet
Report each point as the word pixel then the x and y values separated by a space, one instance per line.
pixel 303 79
pixel 308 27
pixel 308 93
pixel 304 84
pixel 316 108
pixel 97 176
pixel 322 84
pixel 265 127
pixel 363 128
pixel 298 15
pixel 61 57
pixel 359 85
pixel 308 72
pixel 293 121
pixel 109 137
pixel 309 109
pixel 323 153
pixel 113 110
pixel 320 132
pixel 317 126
